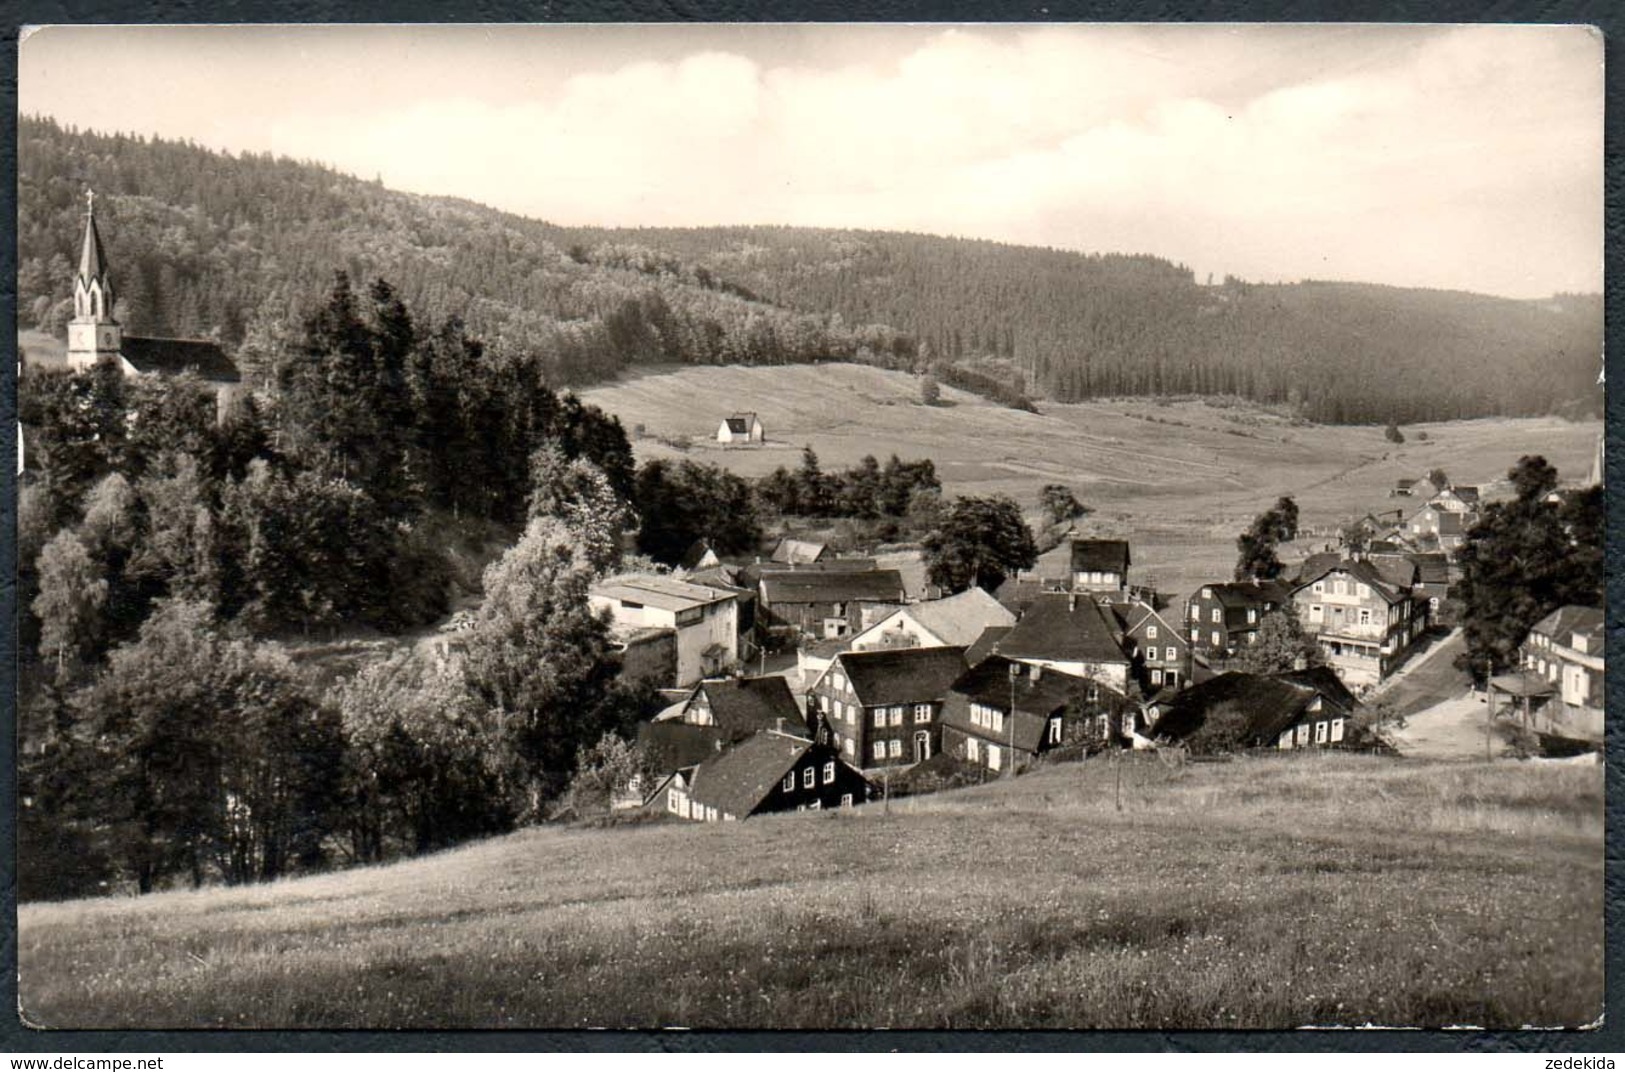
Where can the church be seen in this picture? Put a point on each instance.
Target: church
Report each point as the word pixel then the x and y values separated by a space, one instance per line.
pixel 94 336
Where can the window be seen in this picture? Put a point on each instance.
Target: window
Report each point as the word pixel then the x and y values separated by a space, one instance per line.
pixel 1196 634
pixel 1217 641
pixel 879 750
pixel 829 772
pixel 1055 731
pixel 896 748
pixel 1156 677
pixel 1320 732
pixel 809 777
pixel 1171 655
pixel 1252 615
pixel 897 715
pixel 846 746
pixel 880 717
pixel 1320 587
pixel 998 722
pixel 838 683
pixel 846 800
pixel 922 712
pixel 1315 612
pixel 1252 638
pixel 1365 591
pixel 973 749
pixel 789 781
pixel 1151 632
pixel 1337 729
pixel 1207 593
pixel 1365 615
pixel 993 759
pixel 1218 615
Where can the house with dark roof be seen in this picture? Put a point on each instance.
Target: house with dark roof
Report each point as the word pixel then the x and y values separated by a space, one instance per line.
pixel 828 603
pixel 794 552
pixel 1439 526
pixel 1223 618
pixel 1161 651
pixel 768 772
pixel 1099 565
pixel 1002 712
pixel 883 708
pixel 740 428
pixel 714 715
pixel 1072 633
pixel 1303 709
pixel 1364 622
pixel 699 556
pixel 94 336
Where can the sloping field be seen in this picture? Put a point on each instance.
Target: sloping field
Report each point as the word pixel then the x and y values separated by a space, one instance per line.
pixel 1180 479
pixel 1273 892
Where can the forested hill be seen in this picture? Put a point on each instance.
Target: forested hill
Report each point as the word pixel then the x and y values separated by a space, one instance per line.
pixel 208 243
pixel 1082 326
pixel 205 243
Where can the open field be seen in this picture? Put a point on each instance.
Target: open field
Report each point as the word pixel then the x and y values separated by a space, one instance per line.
pixel 1180 479
pixel 1268 892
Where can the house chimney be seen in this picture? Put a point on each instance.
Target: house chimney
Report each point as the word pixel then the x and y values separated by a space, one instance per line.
pixel 780 721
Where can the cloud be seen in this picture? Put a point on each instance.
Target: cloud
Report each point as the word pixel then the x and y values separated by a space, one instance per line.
pixel 1408 155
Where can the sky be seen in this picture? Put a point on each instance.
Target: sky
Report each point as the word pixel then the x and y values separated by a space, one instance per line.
pixel 1466 158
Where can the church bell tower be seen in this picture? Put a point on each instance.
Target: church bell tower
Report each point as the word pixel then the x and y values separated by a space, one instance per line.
pixel 93 334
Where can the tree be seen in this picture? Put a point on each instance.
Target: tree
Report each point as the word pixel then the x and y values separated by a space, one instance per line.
pixel 579 495
pixel 1059 504
pixel 979 542
pixel 1525 558
pixel 1256 558
pixel 1282 645
pixel 1438 478
pixel 609 769
pixel 1223 730
pixel 930 390
pixel 540 657
pixel 72 596
pixel 1393 434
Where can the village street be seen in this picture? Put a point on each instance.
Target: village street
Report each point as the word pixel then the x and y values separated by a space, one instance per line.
pixel 1444 716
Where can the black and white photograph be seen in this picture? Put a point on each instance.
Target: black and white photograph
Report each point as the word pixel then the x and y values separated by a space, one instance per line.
pixel 810 527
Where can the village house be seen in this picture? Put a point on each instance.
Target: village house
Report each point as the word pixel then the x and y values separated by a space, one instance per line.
pixel 955 621
pixel 828 603
pixel 1050 709
pixel 1302 709
pixel 714 715
pixel 883 708
pixel 740 428
pixel 1223 618
pixel 1099 565
pixel 699 556
pixel 94 336
pixel 1564 651
pixel 704 619
pixel 1428 572
pixel 768 772
pixel 793 552
pixel 1071 633
pixel 1457 499
pixel 1364 624
pixel 1161 651
pixel 1436 525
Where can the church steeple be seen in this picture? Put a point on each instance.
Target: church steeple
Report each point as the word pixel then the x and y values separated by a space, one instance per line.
pixel 93 334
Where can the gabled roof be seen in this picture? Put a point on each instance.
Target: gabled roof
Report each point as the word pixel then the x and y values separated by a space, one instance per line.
pixel 1061 627
pixel 798 551
pixel 672 745
pixel 1318 563
pixel 1362 571
pixel 696 553
pixel 653 590
pixel 739 423
pixel 832 586
pixel 736 781
pixel 902 675
pixel 1467 493
pixel 983 645
pixel 958 620
pixel 1565 621
pixel 171 357
pixel 1324 680
pixel 1017 594
pixel 749 704
pixel 1100 556
pixel 1250 593
pixel 1036 701
pixel 1398 571
pixel 1138 613
pixel 1406 482
pixel 1271 705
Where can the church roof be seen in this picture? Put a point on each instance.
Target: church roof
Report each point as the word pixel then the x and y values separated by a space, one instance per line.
pixel 174 356
pixel 92 259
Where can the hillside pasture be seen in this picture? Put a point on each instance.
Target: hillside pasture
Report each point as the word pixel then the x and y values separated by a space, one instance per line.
pixel 1180 479
pixel 1271 892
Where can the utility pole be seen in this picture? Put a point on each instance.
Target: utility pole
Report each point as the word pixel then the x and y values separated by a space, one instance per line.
pixel 1489 710
pixel 1015 672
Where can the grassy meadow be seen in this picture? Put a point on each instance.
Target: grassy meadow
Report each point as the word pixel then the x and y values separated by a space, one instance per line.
pixel 1180 479
pixel 1265 893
